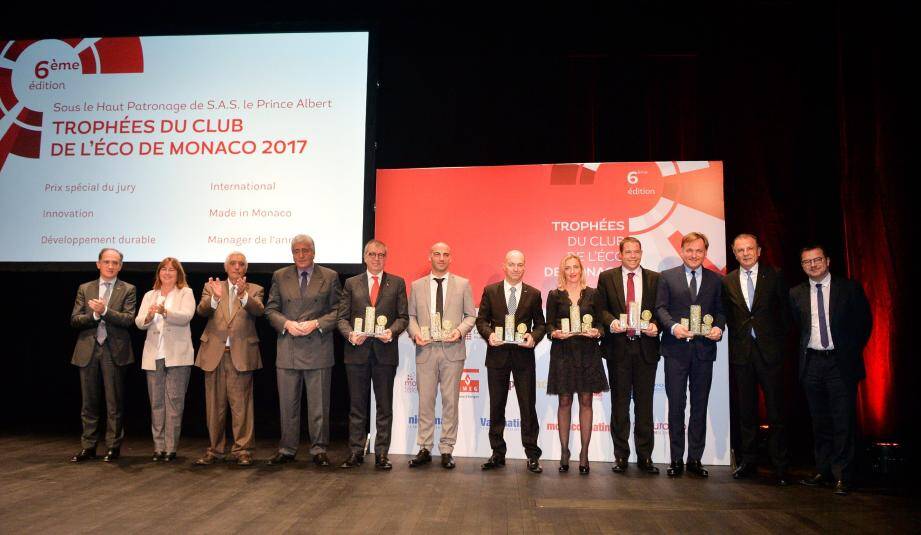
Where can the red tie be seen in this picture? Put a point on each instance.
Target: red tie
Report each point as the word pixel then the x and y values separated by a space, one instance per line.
pixel 375 290
pixel 631 295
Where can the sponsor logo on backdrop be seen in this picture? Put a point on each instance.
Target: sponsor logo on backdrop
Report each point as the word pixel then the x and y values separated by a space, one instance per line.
pixel 514 423
pixel 660 427
pixel 600 427
pixel 470 382
pixel 413 421
pixel 409 385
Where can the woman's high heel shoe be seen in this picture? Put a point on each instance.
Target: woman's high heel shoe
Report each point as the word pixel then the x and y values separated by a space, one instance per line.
pixel 564 460
pixel 583 469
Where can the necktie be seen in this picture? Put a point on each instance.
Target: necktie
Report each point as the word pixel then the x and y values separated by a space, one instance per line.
pixel 439 299
pixel 693 285
pixel 823 323
pixel 751 296
pixel 375 290
pixel 512 300
pixel 305 280
pixel 631 295
pixel 101 333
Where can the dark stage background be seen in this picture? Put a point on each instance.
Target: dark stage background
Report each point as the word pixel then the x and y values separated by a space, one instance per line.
pixel 807 105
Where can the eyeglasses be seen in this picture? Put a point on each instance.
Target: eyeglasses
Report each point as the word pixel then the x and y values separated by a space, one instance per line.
pixel 376 255
pixel 813 261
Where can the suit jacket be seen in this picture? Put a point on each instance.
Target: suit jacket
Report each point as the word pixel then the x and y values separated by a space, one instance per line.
pixel 770 316
pixel 119 317
pixel 493 309
pixel 849 320
pixel 612 303
pixel 319 303
pixel 673 302
pixel 176 342
pixel 237 322
pixel 391 302
pixel 458 308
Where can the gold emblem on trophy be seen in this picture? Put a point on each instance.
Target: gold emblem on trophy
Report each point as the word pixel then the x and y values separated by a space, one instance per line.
pixel 645 318
pixel 521 329
pixel 587 322
pixel 707 325
pixel 381 322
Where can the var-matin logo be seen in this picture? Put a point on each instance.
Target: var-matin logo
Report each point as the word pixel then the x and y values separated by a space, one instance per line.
pixel 36 74
pixel 470 382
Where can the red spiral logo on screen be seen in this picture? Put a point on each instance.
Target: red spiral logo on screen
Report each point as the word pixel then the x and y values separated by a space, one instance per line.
pixel 33 73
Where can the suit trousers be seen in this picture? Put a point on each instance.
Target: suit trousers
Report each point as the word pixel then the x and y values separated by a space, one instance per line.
pixel 100 375
pixel 225 385
pixel 526 391
pixel 683 374
pixel 166 387
pixel 438 373
pixel 747 377
pixel 631 377
pixel 361 379
pixel 317 383
pixel 832 403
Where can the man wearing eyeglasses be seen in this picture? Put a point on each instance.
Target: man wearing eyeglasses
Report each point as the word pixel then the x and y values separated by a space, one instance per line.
pixel 372 359
pixel 834 318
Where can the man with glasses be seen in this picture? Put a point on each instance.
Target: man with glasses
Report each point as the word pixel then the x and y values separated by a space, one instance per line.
pixel 834 318
pixel 372 358
pixel 302 310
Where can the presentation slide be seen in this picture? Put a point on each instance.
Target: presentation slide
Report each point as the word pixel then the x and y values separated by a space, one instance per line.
pixel 547 211
pixel 184 146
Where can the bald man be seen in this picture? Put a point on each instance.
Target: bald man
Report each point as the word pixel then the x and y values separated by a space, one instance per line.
pixel 441 313
pixel 503 360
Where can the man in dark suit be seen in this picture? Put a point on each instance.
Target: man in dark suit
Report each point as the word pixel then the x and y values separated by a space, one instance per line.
pixel 689 357
pixel 512 296
pixel 103 311
pixel 755 299
pixel 302 307
pixel 369 359
pixel 834 319
pixel 632 355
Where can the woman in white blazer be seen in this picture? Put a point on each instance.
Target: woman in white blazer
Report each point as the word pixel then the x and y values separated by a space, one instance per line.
pixel 168 356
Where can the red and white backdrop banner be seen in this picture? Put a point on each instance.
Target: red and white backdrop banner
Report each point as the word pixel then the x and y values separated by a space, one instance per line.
pixel 547 211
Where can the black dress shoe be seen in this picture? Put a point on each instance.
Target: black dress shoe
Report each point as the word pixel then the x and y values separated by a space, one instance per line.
pixel 534 465
pixel 841 488
pixel 447 461
pixel 111 455
pixel 494 461
pixel 645 465
pixel 158 456
pixel 781 479
pixel 381 462
pixel 676 468
pixel 619 466
pixel 280 458
pixel 423 457
pixel 744 470
pixel 321 459
pixel 694 467
pixel 169 457
pixel 83 455
pixel 564 460
pixel 355 459
pixel 816 480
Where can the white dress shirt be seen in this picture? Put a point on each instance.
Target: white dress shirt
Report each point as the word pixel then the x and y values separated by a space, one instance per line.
pixel 433 286
pixel 815 339
pixel 102 291
pixel 743 280
pixel 508 292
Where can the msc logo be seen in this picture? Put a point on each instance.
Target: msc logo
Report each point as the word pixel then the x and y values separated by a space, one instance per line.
pixel 469 384
pixel 409 385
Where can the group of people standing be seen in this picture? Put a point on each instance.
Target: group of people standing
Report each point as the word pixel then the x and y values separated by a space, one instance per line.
pixel 680 314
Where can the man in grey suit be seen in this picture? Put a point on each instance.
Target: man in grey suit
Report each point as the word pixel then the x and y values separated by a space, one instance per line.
pixel 302 309
pixel 440 350
pixel 103 311
pixel 372 359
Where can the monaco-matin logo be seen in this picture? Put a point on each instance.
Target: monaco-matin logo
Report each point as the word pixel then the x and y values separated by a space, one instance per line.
pixel 409 384
pixel 35 77
pixel 470 382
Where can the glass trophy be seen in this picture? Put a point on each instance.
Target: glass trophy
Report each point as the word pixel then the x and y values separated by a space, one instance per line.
pixel 446 327
pixel 426 333
pixel 359 323
pixel 633 316
pixel 645 318
pixel 509 327
pixel 369 320
pixel 436 327
pixel 623 321
pixel 695 320
pixel 685 323
pixel 575 319
pixel 500 333
pixel 587 323
pixel 381 325
pixel 564 325
pixel 707 325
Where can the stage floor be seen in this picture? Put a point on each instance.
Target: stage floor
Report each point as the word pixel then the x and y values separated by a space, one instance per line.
pixel 40 491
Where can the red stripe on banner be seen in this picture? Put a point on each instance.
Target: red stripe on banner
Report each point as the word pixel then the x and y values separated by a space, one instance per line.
pixel 120 55
pixel 6 143
pixel 88 61
pixel 16 49
pixel 30 117
pixel 586 176
pixel 28 143
pixel 6 89
pixel 564 174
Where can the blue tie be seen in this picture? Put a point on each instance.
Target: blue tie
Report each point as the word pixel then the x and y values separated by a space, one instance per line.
pixel 751 296
pixel 823 323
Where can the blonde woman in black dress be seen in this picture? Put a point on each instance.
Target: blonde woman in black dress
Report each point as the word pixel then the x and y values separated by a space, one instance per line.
pixel 575 359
